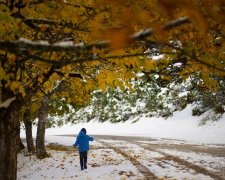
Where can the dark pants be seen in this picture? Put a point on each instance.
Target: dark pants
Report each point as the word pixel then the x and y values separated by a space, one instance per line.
pixel 83 160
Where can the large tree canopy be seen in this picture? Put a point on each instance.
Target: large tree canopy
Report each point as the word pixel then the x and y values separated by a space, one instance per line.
pixel 99 43
pixel 104 40
pixel 104 43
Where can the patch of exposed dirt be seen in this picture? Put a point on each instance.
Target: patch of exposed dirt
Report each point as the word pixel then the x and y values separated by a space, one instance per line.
pixel 141 168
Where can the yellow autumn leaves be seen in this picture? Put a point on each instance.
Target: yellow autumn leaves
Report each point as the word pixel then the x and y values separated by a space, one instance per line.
pixel 15 86
pixel 114 21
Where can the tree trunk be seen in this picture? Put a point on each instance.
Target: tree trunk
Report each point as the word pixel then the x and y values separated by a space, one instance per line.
pixel 19 143
pixel 9 122
pixel 28 129
pixel 42 118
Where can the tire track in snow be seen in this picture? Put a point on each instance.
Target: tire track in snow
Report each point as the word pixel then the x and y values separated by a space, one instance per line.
pixel 189 165
pixel 141 168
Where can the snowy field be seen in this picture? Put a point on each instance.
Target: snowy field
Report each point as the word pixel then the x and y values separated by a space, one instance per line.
pixel 182 126
pixel 120 158
pixel 152 148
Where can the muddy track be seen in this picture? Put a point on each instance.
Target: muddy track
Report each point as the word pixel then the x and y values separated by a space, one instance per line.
pixel 214 151
pixel 155 148
pixel 141 168
pixel 189 165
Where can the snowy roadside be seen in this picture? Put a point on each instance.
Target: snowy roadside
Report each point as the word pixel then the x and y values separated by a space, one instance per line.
pixel 124 159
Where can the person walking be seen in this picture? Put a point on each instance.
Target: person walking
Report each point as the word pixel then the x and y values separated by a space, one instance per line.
pixel 82 143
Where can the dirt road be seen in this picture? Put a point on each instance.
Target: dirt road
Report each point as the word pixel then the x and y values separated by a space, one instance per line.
pixel 205 160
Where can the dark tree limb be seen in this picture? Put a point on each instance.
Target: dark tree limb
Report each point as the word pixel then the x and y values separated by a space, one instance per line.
pixel 71 74
pixel 45 46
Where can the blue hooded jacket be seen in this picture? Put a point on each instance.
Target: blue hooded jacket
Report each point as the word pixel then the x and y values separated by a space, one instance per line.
pixel 82 141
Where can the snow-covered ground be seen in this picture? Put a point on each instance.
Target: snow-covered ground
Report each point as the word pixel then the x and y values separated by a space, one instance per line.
pixel 176 148
pixel 121 159
pixel 103 164
pixel 182 126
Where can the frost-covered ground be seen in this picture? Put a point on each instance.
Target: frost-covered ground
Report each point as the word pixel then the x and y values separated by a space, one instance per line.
pixel 120 157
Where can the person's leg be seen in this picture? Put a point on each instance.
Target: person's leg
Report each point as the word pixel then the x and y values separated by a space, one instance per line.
pixel 81 160
pixel 85 159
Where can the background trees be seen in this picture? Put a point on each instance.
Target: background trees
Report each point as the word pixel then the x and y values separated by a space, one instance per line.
pixel 102 43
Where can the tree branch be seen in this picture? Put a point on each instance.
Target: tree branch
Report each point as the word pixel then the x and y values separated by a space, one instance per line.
pixel 136 54
pixel 193 56
pixel 141 35
pixel 45 46
pixel 53 22
pixel 72 74
pixel 41 21
pixel 29 24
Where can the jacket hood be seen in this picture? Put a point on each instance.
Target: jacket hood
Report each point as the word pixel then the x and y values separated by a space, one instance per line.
pixel 81 133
